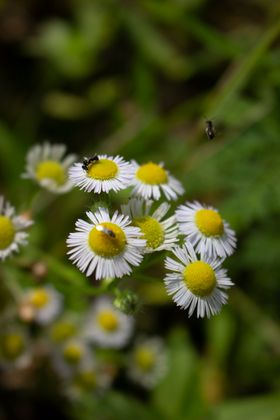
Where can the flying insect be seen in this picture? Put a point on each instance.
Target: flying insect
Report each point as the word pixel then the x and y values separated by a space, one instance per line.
pixel 210 130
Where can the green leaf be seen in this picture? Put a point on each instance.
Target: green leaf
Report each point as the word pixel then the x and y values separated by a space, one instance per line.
pixel 178 396
pixel 258 408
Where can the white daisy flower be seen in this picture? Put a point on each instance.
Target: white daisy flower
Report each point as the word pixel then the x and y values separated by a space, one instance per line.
pixel 151 180
pixel 64 328
pixel 107 246
pixel 71 356
pixel 102 173
pixel 107 326
pixel 206 230
pixel 195 283
pixel 148 362
pixel 47 165
pixel 159 234
pixel 14 348
pixel 92 376
pixel 12 234
pixel 45 303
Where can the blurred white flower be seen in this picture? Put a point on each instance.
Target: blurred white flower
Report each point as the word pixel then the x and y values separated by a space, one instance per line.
pixel 148 362
pixel 47 165
pixel 12 234
pixel 106 326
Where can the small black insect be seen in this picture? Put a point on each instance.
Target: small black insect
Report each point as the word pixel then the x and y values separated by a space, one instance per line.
pixel 105 230
pixel 210 130
pixel 87 162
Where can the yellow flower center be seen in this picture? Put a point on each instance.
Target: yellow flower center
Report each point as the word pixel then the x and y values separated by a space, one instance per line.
pixel 39 298
pixel 200 278
pixel 108 320
pixel 51 169
pixel 73 353
pixel 7 232
pixel 102 169
pixel 12 346
pixel 209 222
pixel 144 358
pixel 151 173
pixel 105 245
pixel 86 380
pixel 63 330
pixel 151 229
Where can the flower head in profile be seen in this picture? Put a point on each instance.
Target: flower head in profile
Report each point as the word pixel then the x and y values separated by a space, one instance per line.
pixel 148 362
pixel 102 174
pixel 108 246
pixel 152 180
pixel 196 283
pixel 160 232
pixel 206 230
pixel 12 234
pixel 47 165
pixel 45 303
pixel 106 326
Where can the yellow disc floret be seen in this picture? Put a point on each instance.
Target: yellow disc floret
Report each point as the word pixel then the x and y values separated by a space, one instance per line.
pixel 63 330
pixel 105 245
pixel 151 173
pixel 108 320
pixel 200 278
pixel 144 358
pixel 102 169
pixel 12 346
pixel 7 232
pixel 151 229
pixel 39 298
pixel 73 353
pixel 209 222
pixel 51 169
pixel 86 380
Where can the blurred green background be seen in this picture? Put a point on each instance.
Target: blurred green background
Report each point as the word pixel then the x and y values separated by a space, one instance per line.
pixel 140 78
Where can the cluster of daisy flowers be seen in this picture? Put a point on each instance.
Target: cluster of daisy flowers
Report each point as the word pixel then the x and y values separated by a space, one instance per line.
pixel 114 241
pixel 74 344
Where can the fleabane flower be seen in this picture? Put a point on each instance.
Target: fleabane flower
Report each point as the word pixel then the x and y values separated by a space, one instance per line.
pixel 64 328
pixel 14 347
pixel 148 362
pixel 12 227
pixel 102 174
pixel 92 376
pixel 106 326
pixel 196 283
pixel 48 166
pixel 69 358
pixel 206 230
pixel 45 303
pixel 108 246
pixel 159 233
pixel 151 180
